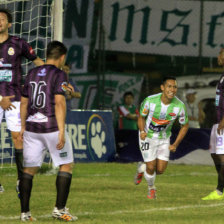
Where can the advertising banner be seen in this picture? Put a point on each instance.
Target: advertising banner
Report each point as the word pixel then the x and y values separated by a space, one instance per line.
pixel 115 85
pixel 164 27
pixel 91 134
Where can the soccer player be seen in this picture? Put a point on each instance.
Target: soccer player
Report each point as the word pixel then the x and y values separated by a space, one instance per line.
pixel 12 50
pixel 217 137
pixel 157 115
pixel 43 111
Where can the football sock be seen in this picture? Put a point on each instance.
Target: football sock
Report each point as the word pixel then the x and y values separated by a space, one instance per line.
pixel 150 178
pixel 141 166
pixel 25 187
pixel 19 162
pixel 63 183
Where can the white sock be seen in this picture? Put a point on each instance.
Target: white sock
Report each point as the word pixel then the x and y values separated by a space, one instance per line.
pixel 141 167
pixel 150 179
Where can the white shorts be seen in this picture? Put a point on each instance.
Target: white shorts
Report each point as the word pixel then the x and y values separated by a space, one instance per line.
pixel 152 149
pixel 12 117
pixel 216 141
pixel 34 145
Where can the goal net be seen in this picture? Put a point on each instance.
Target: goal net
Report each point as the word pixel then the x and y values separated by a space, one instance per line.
pixel 38 22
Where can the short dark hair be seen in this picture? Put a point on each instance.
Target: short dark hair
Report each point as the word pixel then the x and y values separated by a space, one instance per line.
pixel 129 93
pixel 8 14
pixel 168 78
pixel 55 49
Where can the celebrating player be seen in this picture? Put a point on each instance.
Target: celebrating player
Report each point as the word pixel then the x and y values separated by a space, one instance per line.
pixel 217 137
pixel 43 111
pixel 157 115
pixel 12 50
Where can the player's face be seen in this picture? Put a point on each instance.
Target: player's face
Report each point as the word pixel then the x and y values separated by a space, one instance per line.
pixel 4 24
pixel 128 100
pixel 169 89
pixel 221 57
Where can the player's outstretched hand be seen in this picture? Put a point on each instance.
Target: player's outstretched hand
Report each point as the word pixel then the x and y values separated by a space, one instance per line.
pixel 61 141
pixel 6 103
pixel 172 148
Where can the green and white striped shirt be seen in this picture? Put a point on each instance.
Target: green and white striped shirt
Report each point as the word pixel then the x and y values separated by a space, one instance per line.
pixel 160 117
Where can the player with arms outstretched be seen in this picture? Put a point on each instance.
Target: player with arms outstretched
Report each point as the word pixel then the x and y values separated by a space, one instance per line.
pixel 43 111
pixel 157 115
pixel 12 50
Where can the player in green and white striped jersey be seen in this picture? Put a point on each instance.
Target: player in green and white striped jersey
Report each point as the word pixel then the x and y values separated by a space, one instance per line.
pixel 157 115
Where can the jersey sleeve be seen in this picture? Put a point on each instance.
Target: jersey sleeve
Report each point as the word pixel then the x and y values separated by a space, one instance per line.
pixel 61 83
pixel 144 108
pixel 27 51
pixel 183 117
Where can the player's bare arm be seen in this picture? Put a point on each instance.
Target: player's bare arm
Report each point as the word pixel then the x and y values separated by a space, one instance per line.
pixel 38 61
pixel 60 112
pixel 180 136
pixel 141 125
pixel 23 114
pixel 6 103
pixel 221 127
pixel 132 116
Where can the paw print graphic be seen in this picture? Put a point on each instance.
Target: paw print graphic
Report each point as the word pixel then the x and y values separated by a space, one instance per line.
pixel 98 139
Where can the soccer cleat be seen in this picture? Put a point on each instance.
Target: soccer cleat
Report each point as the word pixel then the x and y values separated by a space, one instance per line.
pixel 138 178
pixel 213 196
pixel 63 215
pixel 26 216
pixel 1 189
pixel 151 194
pixel 17 189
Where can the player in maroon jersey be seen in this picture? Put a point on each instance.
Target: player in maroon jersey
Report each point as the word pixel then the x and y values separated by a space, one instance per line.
pixel 12 51
pixel 43 112
pixel 217 137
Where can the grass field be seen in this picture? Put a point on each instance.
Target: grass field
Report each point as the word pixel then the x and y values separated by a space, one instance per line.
pixel 105 193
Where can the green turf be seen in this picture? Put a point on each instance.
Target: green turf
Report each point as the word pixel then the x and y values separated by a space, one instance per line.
pixel 105 193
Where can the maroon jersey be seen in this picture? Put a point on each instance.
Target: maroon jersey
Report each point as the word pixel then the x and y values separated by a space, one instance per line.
pixel 11 53
pixel 41 85
pixel 219 99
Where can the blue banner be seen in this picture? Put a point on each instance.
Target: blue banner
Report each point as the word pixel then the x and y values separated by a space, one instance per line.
pixel 92 135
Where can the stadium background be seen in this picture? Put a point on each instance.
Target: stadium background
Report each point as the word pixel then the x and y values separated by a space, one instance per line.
pixel 116 46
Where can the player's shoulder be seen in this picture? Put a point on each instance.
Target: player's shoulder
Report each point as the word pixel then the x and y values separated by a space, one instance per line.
pixel 153 97
pixel 16 39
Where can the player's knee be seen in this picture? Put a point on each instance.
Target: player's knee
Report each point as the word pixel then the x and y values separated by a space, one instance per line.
pixel 150 169
pixel 159 171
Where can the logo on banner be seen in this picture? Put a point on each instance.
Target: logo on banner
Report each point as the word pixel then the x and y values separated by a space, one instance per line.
pixel 96 136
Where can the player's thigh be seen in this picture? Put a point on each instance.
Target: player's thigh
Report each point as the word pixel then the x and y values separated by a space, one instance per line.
pixel 212 141
pixel 148 149
pixel 13 118
pixel 62 156
pixel 161 166
pixel 33 148
pixel 163 152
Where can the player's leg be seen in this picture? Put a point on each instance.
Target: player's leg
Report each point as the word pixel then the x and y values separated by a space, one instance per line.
pixel 141 166
pixel 33 149
pixel 217 194
pixel 148 150
pixel 14 125
pixel 1 117
pixel 64 159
